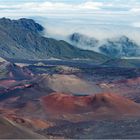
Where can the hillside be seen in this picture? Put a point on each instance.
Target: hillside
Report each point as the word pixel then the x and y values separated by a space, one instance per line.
pixel 23 39
pixel 116 47
pixel 101 105
pixel 10 130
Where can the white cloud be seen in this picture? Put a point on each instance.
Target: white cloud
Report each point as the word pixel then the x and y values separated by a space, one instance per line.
pixel 48 6
pixel 18 9
pixel 91 5
pixel 96 17
pixel 136 24
pixel 135 10
pixel 45 6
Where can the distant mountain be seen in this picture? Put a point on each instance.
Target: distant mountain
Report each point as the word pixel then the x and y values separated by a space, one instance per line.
pixel 22 39
pixel 83 40
pixel 120 47
pixel 114 47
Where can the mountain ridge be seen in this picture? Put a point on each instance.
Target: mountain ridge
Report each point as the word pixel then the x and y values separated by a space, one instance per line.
pixel 116 47
pixel 23 39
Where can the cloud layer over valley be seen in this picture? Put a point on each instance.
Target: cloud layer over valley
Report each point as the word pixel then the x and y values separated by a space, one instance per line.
pixel 97 18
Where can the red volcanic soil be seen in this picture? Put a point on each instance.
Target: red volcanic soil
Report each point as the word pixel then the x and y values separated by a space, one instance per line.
pixel 33 123
pixel 7 83
pixel 99 104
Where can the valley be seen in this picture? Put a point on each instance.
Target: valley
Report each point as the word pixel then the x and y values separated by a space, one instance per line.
pixel 52 97
pixel 55 90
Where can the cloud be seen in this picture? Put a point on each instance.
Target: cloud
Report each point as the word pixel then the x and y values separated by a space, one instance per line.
pixel 44 7
pixel 47 5
pixel 91 5
pixel 136 24
pixel 135 10
pixel 101 18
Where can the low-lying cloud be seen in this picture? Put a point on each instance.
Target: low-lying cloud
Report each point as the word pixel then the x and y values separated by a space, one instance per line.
pixel 97 18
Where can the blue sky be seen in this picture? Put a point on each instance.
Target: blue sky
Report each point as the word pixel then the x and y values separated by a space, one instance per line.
pixel 95 17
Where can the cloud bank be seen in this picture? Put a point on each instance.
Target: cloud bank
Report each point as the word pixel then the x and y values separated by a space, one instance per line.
pixel 98 18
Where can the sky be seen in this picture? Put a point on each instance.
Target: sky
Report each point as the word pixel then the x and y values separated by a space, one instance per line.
pixel 99 18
